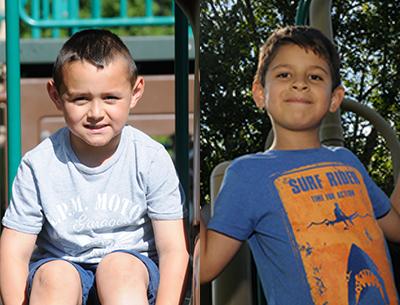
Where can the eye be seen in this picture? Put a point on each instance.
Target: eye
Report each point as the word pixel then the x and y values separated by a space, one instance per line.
pixel 80 100
pixel 283 75
pixel 315 77
pixel 111 98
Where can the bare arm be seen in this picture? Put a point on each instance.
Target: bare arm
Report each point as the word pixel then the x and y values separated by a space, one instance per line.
pixel 395 197
pixel 196 272
pixel 390 223
pixel 216 250
pixel 15 252
pixel 171 242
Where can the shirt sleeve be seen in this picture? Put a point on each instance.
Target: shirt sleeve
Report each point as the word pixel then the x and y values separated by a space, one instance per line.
pixel 380 201
pixel 24 213
pixel 164 195
pixel 233 209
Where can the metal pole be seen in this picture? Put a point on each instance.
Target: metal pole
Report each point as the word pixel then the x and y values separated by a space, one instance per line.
pixel 13 89
pixel 96 8
pixel 331 131
pixel 123 8
pixel 73 12
pixel 181 99
pixel 192 11
pixel 35 8
pixel 45 9
pixel 56 11
pixel 149 8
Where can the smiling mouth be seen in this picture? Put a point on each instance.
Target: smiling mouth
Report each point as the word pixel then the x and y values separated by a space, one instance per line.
pixel 298 101
pixel 95 127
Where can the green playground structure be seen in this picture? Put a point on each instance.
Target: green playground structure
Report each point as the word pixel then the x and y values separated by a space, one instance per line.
pixel 42 16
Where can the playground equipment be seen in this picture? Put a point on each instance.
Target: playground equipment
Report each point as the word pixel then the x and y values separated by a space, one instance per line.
pixel 238 283
pixel 66 14
pixel 184 84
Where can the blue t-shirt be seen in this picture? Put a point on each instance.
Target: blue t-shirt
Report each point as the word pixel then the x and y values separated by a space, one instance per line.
pixel 309 217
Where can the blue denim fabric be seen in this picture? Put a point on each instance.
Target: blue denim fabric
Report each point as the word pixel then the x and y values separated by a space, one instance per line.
pixel 87 274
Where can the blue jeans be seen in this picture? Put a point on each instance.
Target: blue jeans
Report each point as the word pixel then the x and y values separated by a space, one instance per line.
pixel 87 274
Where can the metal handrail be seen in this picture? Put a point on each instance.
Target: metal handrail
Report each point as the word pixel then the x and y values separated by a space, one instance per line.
pixel 382 126
pixel 13 89
pixel 98 22
pixel 302 12
pixel 39 17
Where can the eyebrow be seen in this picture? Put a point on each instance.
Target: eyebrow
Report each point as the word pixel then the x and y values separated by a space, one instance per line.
pixel 88 93
pixel 75 93
pixel 290 66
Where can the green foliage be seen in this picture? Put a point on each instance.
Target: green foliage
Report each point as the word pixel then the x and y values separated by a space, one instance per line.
pixel 367 35
pixel 231 33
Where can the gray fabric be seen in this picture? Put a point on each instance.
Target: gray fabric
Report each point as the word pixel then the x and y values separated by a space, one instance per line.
pixel 82 213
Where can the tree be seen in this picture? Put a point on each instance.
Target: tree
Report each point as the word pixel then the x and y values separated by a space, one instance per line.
pixel 367 34
pixel 231 33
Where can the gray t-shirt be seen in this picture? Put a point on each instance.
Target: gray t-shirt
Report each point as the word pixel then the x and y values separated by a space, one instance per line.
pixel 82 213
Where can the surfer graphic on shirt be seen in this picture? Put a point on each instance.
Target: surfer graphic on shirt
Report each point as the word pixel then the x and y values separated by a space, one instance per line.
pixel 336 234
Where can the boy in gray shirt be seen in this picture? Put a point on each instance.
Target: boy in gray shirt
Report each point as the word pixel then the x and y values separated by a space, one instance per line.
pixel 99 199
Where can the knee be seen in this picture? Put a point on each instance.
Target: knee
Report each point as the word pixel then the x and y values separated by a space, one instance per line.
pixel 122 263
pixel 124 270
pixel 116 258
pixel 121 278
pixel 56 282
pixel 56 275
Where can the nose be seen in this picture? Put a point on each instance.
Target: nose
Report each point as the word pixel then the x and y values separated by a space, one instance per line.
pixel 95 111
pixel 299 83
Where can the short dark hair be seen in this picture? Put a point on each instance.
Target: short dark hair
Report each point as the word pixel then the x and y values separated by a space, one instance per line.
pixel 305 37
pixel 96 46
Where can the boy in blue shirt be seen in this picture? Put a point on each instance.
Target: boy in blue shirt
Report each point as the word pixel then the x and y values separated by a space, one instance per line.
pixel 314 220
pixel 100 199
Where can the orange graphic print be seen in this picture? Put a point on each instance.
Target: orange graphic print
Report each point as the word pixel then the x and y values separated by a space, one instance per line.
pixel 341 245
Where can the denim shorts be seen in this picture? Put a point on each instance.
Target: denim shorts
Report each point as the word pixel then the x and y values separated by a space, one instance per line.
pixel 87 274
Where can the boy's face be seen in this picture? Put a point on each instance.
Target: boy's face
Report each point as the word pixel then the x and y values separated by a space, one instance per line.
pixel 96 102
pixel 298 90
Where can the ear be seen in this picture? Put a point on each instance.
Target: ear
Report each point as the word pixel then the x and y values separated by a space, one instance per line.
pixel 336 98
pixel 137 91
pixel 53 94
pixel 258 94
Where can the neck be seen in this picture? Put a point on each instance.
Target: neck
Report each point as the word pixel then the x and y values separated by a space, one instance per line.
pixel 295 140
pixel 93 156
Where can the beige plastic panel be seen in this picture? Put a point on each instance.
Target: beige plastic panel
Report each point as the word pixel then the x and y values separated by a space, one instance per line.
pixel 234 285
